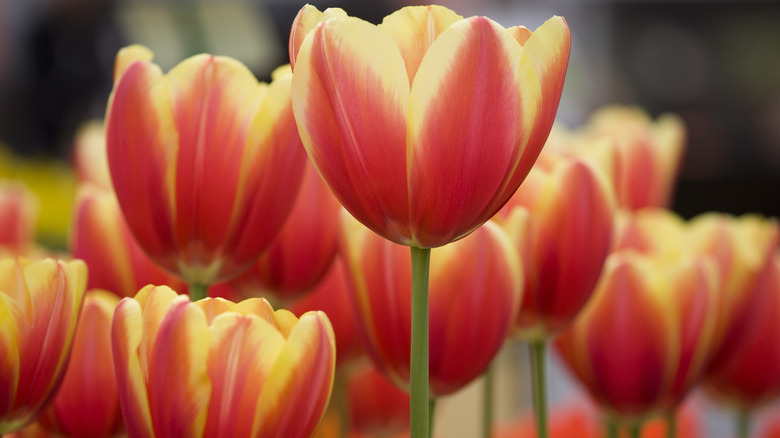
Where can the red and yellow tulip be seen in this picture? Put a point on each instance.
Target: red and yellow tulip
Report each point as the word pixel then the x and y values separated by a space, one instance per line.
pixel 475 286
pixel 213 368
pixel 40 303
pixel 87 404
pixel 424 125
pixel 100 236
pixel 646 335
pixel 205 161
pixel 561 221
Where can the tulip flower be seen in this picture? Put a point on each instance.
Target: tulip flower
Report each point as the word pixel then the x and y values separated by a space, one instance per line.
pixel 213 368
pixel 205 162
pixel 644 339
pixel 100 236
pixel 561 221
pixel 424 126
pixel 89 155
pixel 18 213
pixel 40 303
pixel 474 295
pixel 752 378
pixel 87 404
pixel 302 253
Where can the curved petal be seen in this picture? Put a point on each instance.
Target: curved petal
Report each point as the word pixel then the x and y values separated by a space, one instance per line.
pixel 179 395
pixel 242 352
pixel 414 28
pixel 297 391
pixel 142 144
pixel 126 334
pixel 128 55
pixel 465 116
pixel 350 94
pixel 307 19
pixel 12 335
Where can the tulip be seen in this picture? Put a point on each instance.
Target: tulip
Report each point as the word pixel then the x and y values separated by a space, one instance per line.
pixel 644 339
pixel 302 253
pixel 213 368
pixel 474 294
pixel 561 221
pixel 87 404
pixel 39 307
pixel 205 162
pixel 100 236
pixel 425 125
pixel 18 213
pixel 376 404
pixel 89 155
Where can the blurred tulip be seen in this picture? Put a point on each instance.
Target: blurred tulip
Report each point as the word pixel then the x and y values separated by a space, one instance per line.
pixel 376 405
pixel 304 249
pixel 213 368
pixel 645 337
pixel 18 214
pixel 561 221
pixel 100 237
pixel 87 404
pixel 331 296
pixel 475 286
pixel 424 125
pixel 643 156
pixel 752 378
pixel 89 155
pixel 39 307
pixel 205 161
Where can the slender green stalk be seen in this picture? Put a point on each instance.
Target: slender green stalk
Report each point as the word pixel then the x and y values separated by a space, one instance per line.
pixel 635 429
pixel 539 383
pixel 613 431
pixel 743 423
pixel 198 291
pixel 671 425
pixel 488 385
pixel 418 379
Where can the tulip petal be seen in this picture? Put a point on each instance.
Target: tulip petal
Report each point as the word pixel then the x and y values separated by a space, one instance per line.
pixel 126 335
pixel 350 95
pixel 242 353
pixel 414 29
pixel 299 386
pixel 307 19
pixel 12 323
pixel 128 55
pixel 465 118
pixel 183 391
pixel 142 141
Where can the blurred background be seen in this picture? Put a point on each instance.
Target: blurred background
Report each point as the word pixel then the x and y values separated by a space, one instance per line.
pixel 714 63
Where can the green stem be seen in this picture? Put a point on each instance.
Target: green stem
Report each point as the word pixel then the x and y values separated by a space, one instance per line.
pixel 743 423
pixel 539 383
pixel 432 414
pixel 198 291
pixel 671 425
pixel 612 427
pixel 487 403
pixel 418 378
pixel 635 429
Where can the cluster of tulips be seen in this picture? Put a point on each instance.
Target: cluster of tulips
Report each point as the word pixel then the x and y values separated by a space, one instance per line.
pixel 212 202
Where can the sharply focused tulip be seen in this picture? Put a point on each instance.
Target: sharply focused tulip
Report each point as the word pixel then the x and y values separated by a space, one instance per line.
pixel 212 368
pixel 424 125
pixel 644 338
pixel 561 220
pixel 752 378
pixel 39 307
pixel 87 404
pixel 474 293
pixel 100 237
pixel 18 213
pixel 304 249
pixel 331 296
pixel 205 161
